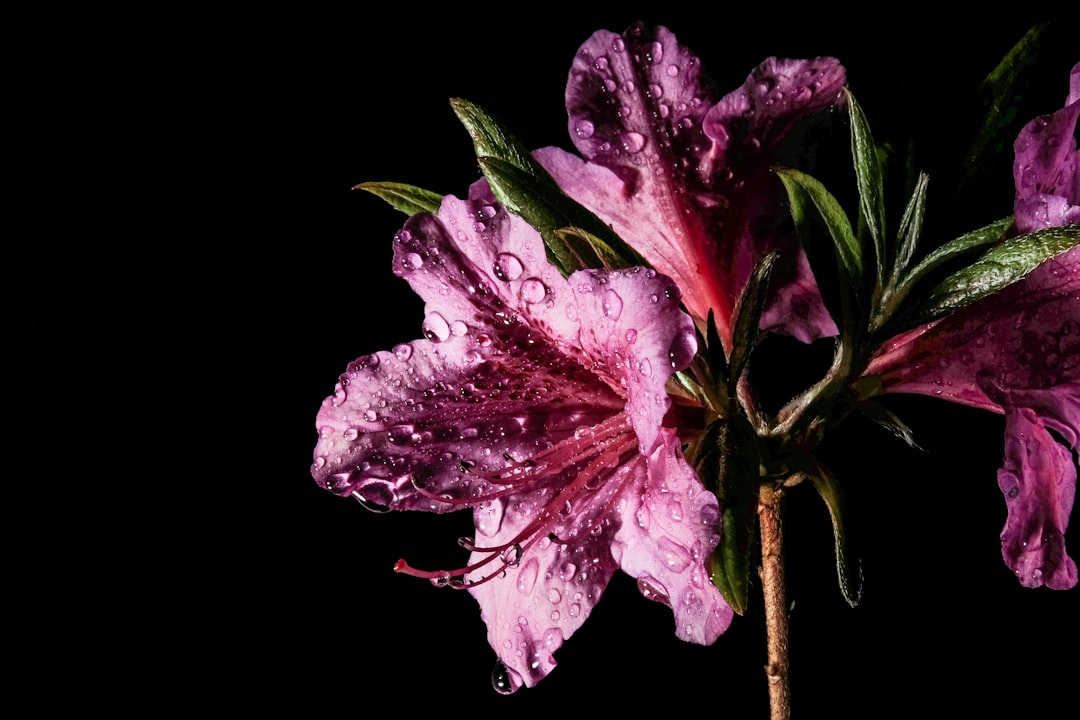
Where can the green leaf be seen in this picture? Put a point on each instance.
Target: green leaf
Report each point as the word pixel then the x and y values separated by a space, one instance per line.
pixel 492 139
pixel 728 465
pixel 871 188
pixel 911 226
pixel 997 128
pixel 998 268
pixel 811 207
pixel 748 315
pixel 406 198
pixel 527 189
pixel 987 235
pixel 810 200
pixel 543 205
pixel 848 567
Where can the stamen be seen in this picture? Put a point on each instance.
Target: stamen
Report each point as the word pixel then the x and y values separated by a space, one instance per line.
pixel 607 442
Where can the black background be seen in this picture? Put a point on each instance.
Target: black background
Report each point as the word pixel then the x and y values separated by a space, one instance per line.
pixel 270 593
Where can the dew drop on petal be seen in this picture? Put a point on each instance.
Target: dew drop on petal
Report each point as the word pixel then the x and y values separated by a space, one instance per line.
pixel 533 290
pixel 632 142
pixel 435 328
pixel 504 680
pixel 526 579
pixel 584 128
pixel 631 336
pixel 507 267
pixel 612 304
pixel 350 434
pixel 644 367
pixel 682 350
pixel 403 352
pixel 411 261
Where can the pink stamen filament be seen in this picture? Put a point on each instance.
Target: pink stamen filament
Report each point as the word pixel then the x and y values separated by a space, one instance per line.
pixel 618 438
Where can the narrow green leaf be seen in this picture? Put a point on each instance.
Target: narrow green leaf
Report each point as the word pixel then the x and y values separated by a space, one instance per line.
pixel 544 206
pixel 911 226
pixel 987 235
pixel 492 139
pixel 748 314
pixel 887 419
pixel 728 465
pixel 406 198
pixel 998 268
pixel 810 200
pixel 998 126
pixel 848 567
pixel 868 174
pixel 527 189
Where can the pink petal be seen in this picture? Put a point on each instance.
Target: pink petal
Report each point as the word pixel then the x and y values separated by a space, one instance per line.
pixel 547 595
pixel 1047 167
pixel 1039 483
pixel 668 531
pixel 635 335
pixel 682 181
pixel 1016 352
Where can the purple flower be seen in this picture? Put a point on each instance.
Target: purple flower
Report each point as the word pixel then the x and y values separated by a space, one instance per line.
pixel 1017 352
pixel 538 402
pixel 1047 167
pixel 684 176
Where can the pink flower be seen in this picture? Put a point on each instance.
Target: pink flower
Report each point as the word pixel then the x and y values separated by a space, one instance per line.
pixel 538 402
pixel 1018 352
pixel 684 177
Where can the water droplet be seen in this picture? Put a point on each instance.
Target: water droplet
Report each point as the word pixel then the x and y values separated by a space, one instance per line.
pixel 655 53
pixel 575 610
pixel 507 267
pixel 675 556
pixel 682 350
pixel 632 142
pixel 489 517
pixel 533 290
pixel 458 328
pixel 618 45
pixel 403 352
pixel 350 434
pixel 568 571
pixel 411 261
pixel 340 396
pixel 644 367
pixel 369 505
pixel 512 555
pixel 435 328
pixel 653 590
pixel 527 577
pixel 554 596
pixel 503 679
pixel 631 336
pixel 371 416
pixel 672 70
pixel 320 461
pixel 601 63
pixel 612 304
pixel 584 128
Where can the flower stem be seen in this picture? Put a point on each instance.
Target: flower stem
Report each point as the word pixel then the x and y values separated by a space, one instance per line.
pixel 776 619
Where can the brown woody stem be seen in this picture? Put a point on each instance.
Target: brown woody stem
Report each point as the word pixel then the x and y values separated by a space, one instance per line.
pixel 776 619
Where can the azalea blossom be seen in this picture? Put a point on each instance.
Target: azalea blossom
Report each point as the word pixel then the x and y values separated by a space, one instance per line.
pixel 684 176
pixel 1017 352
pixel 538 402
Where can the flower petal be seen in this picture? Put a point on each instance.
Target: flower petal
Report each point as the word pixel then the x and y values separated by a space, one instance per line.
pixel 1026 336
pixel 1038 480
pixel 1047 167
pixel 687 192
pixel 635 334
pixel 546 594
pixel 668 531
